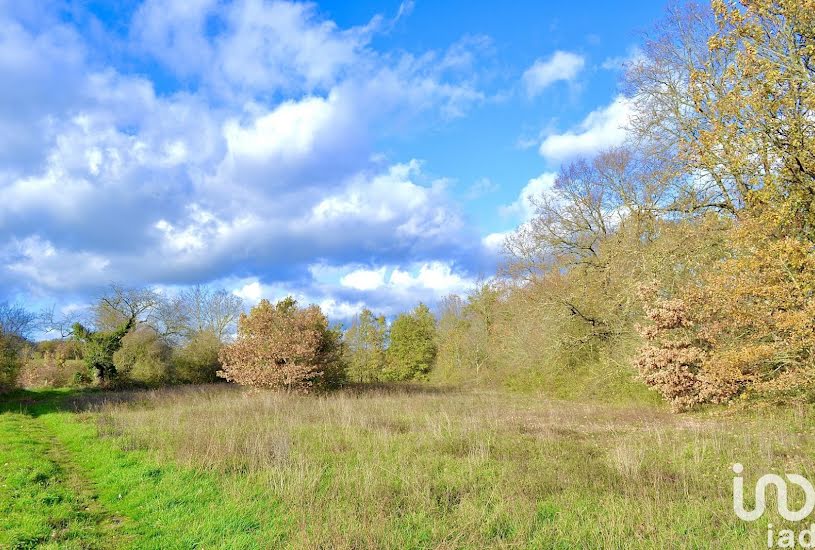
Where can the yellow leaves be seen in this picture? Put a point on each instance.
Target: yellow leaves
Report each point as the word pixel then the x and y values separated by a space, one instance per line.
pixel 753 315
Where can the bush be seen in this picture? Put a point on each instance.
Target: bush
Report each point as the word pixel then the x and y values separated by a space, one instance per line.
pixel 9 363
pixel 412 350
pixel 283 346
pixel 197 362
pixel 365 347
pixel 743 328
pixel 51 372
pixel 143 359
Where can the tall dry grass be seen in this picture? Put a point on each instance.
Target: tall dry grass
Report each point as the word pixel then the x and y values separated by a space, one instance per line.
pixel 422 467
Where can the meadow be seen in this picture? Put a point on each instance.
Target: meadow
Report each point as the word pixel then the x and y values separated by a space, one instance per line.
pixel 390 466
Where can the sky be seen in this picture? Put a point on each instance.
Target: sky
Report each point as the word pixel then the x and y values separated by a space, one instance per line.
pixel 351 154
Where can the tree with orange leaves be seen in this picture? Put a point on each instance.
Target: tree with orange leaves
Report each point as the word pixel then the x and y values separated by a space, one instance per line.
pixel 284 346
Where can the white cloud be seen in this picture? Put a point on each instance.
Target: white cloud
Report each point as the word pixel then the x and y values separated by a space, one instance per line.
pixel 483 186
pixel 393 198
pixel 251 292
pixel 257 45
pixel 494 242
pixel 602 128
pixel 387 289
pixel 288 131
pixel 174 31
pixel 545 72
pixel 44 265
pixel 436 276
pixel 364 279
pixel 337 310
pixel 524 205
pixel 621 62
pixel 250 152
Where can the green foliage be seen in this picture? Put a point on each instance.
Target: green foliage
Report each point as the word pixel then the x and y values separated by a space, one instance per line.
pixel 197 362
pixel 9 362
pixel 98 348
pixel 143 359
pixel 365 347
pixel 412 350
pixel 464 336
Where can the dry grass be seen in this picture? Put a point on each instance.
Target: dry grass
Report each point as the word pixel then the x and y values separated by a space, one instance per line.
pixel 413 467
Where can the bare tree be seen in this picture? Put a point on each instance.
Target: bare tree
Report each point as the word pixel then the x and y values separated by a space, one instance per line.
pixel 127 305
pixel 16 320
pixel 62 322
pixel 591 200
pixel 670 113
pixel 205 309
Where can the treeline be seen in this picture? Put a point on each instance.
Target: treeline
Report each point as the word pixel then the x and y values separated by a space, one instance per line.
pixel 687 257
pixel 136 337
pixel 683 262
pixel 133 337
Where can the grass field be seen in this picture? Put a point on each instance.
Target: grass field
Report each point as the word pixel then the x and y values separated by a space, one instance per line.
pixel 399 467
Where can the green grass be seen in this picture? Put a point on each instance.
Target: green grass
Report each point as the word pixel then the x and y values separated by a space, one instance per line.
pixel 216 467
pixel 63 487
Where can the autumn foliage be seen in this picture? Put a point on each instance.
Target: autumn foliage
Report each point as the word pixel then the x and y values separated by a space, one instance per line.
pixel 744 325
pixel 284 346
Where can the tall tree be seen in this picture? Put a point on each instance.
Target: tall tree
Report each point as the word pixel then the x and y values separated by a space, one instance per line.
pixel 16 320
pixel 412 350
pixel 365 346
pixel 747 132
pixel 117 313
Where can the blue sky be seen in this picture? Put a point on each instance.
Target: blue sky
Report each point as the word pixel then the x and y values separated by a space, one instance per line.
pixel 348 153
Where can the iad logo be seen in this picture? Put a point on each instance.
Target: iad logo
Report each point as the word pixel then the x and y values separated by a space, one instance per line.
pixel 781 493
pixel 785 538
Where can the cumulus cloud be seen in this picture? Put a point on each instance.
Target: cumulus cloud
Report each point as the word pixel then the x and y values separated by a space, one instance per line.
pixel 524 205
pixel 560 66
pixel 364 279
pixel 343 290
pixel 390 289
pixel 482 186
pixel 393 210
pixel 495 241
pixel 43 265
pixel 248 44
pixel 602 128
pixel 258 162
pixel 246 161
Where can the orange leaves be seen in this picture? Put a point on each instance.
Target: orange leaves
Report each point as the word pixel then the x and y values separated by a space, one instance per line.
pixel 283 347
pixel 746 326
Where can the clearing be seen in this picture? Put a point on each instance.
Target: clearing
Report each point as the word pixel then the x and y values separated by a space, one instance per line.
pixel 385 467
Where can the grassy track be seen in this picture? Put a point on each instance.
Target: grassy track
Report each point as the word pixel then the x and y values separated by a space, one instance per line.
pixel 218 468
pixel 44 500
pixel 63 487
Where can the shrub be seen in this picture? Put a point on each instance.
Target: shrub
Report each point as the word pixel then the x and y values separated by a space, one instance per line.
pixel 52 372
pixel 283 346
pixel 412 349
pixel 9 363
pixel 744 327
pixel 143 359
pixel 197 362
